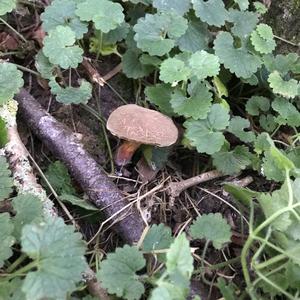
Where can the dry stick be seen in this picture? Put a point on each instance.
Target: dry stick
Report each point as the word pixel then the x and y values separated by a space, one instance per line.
pixel 84 169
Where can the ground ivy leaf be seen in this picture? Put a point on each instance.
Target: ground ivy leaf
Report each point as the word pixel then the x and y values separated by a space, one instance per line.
pixel 204 134
pixel 156 33
pixel 262 39
pixel 29 209
pixel 3 136
pixel 260 7
pixel 197 105
pixel 292 273
pixel 173 70
pixel 270 168
pixel 268 122
pixel 59 254
pixel 232 162
pixel 237 127
pixel 10 81
pixel 178 6
pixel 179 257
pixel 105 14
pixel 243 4
pixel 238 61
pixel 288 89
pixel 281 63
pixel 212 12
pixel 6 238
pixel 11 290
pixel 60 49
pixel 256 104
pixel 62 12
pixel 43 65
pixel 118 273
pixel 71 95
pixel 6 181
pixel 7 6
pixel 212 227
pixel 195 38
pixel 160 95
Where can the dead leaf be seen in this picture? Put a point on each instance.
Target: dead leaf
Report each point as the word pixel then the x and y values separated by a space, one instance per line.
pixel 8 42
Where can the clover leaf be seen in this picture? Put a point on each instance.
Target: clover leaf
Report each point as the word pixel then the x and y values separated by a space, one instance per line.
pixel 105 14
pixel 7 240
pixel 262 39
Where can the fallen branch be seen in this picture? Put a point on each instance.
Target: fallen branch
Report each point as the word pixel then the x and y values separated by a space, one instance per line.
pixel 84 169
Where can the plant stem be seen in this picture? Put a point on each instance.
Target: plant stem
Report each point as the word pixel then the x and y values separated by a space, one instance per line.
pixel 19 272
pixel 14 30
pixel 17 262
pixel 27 70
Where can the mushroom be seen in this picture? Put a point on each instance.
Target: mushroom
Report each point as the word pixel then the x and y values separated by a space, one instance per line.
pixel 137 126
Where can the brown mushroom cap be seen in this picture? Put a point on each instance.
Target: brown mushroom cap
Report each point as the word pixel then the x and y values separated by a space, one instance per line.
pixel 146 126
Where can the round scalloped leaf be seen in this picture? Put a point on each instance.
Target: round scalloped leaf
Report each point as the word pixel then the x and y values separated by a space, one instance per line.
pixel 243 4
pixel 178 6
pixel 281 63
pixel 6 238
pixel 7 6
pixel 212 12
pixel 238 61
pixel 262 39
pixel 204 64
pixel 71 95
pixel 288 89
pixel 155 34
pixel 237 127
pixel 256 104
pixel 106 15
pixel 62 12
pixel 43 65
pixel 60 49
pixel 10 81
pixel 173 70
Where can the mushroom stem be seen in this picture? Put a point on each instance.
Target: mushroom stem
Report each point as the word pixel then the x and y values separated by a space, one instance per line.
pixel 125 152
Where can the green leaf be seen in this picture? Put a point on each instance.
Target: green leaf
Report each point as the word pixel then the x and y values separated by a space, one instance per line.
pixel 6 238
pixel 173 70
pixel 178 6
pixel 29 210
pixel 244 195
pixel 43 65
pixel 204 134
pixel 195 38
pixel 155 157
pixel 59 254
pixel 58 176
pixel 262 143
pixel 6 182
pixel 237 127
pixel 204 64
pixel 10 81
pixel 288 89
pixel 232 162
pixel 228 291
pixel 256 104
pixel 11 290
pixel 197 105
pixel 71 95
pixel 238 60
pixel 7 6
pixel 60 49
pixel 281 63
pixel 262 39
pixel 62 12
pixel 270 168
pixel 77 202
pixel 3 134
pixel 212 227
pixel 179 257
pixel 243 4
pixel 105 14
pixel 156 33
pixel 268 122
pixel 212 12
pixel 118 273
pixel 260 7
pixel 160 95
pixel 292 274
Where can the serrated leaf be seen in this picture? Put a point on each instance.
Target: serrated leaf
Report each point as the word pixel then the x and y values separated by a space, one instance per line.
pixel 156 33
pixel 6 238
pixel 262 143
pixel 3 135
pixel 6 182
pixel 7 6
pixel 195 38
pixel 256 104
pixel 77 202
pixel 243 4
pixel 212 12
pixel 260 7
pixel 62 12
pixel 270 168
pixel 118 273
pixel 204 134
pixel 105 14
pixel 60 49
pixel 178 6
pixel 160 95
pixel 71 95
pixel 238 60
pixel 288 89
pixel 268 122
pixel 29 210
pixel 281 63
pixel 253 80
pixel 196 105
pixel 237 127
pixel 262 39
pixel 59 254
pixel 43 65
pixel 232 162
pixel 173 70
pixel 204 64
pixel 147 59
pixel 10 81
pixel 212 227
